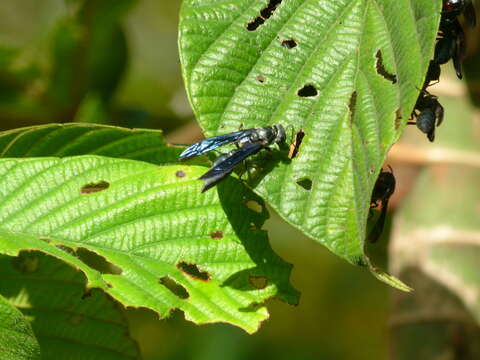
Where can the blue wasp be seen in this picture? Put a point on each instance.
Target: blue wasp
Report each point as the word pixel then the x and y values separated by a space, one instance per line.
pixel 248 142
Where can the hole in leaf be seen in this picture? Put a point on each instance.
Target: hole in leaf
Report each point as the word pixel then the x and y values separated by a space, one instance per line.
pixel 26 262
pixel 193 271
pixel 307 91
pixel 265 14
pixel 252 307
pixel 255 24
pixel 305 183
pixel 295 147
pixel 289 43
pixel 94 187
pixel 110 286
pixel 67 249
pixel 174 287
pixel 253 226
pixel 352 106
pixel 217 235
pixel 180 174
pixel 47 240
pixel 382 71
pixel 258 282
pixel 254 205
pixel 261 79
pixel 97 262
pixel 271 7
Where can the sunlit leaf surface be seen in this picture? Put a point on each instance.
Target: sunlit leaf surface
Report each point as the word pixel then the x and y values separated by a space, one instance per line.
pixel 173 246
pixel 345 72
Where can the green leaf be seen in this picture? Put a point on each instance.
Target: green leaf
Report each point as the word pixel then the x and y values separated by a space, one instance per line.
pixel 81 139
pixel 107 54
pixel 175 247
pixel 89 53
pixel 347 72
pixel 16 76
pixel 68 323
pixel 17 341
pixel 92 110
pixel 65 85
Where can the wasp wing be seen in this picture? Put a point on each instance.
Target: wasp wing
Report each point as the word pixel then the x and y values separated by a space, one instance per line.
pixel 459 49
pixel 439 113
pixel 212 143
pixel 470 14
pixel 377 229
pixel 224 168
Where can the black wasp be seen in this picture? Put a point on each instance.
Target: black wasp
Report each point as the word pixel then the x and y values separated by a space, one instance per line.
pixel 430 114
pixel 382 191
pixel 451 9
pixel 433 74
pixel 451 43
pixel 249 142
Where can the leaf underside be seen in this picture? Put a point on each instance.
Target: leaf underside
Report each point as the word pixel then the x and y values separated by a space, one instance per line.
pixel 17 341
pixel 173 247
pixel 345 72
pixel 68 323
pixel 80 139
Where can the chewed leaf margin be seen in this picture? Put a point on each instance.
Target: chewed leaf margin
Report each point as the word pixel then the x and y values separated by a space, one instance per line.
pixel 345 73
pixel 52 296
pixel 148 224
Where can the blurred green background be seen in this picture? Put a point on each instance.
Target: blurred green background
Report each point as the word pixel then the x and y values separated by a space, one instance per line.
pixel 113 60
pixel 116 62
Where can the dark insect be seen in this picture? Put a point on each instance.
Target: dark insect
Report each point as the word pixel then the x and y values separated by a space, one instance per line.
pixel 433 74
pixel 453 8
pixel 451 45
pixel 249 142
pixel 470 14
pixel 382 191
pixel 430 114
